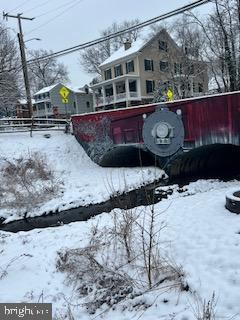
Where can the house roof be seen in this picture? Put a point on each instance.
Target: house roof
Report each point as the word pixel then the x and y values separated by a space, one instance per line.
pixel 122 53
pixel 75 89
pixel 136 46
pixel 46 89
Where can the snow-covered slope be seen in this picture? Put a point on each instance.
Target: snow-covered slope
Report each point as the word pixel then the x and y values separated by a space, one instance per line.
pixel 84 182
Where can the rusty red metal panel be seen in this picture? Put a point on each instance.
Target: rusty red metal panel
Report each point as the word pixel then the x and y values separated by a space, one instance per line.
pixel 207 120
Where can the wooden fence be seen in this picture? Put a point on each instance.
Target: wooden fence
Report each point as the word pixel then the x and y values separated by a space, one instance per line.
pixel 11 125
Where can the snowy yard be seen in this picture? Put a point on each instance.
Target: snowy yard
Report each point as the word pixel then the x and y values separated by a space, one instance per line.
pixel 199 236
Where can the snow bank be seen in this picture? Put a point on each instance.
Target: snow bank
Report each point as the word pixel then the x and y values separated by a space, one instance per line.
pixel 84 182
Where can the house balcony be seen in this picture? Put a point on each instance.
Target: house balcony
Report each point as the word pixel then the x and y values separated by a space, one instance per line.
pixel 118 90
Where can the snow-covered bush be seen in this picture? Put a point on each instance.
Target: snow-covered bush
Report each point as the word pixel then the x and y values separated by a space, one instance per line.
pixel 26 183
pixel 121 262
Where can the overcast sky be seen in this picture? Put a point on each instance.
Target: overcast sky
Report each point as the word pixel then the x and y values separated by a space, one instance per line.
pixel 65 23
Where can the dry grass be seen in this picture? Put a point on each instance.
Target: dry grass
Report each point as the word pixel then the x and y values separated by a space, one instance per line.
pixel 118 265
pixel 26 183
pixel 204 309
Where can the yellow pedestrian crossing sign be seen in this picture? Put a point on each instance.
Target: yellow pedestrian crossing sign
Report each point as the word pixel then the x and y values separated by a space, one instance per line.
pixel 64 92
pixel 64 100
pixel 169 95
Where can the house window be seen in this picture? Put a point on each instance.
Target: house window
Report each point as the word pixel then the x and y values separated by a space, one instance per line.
pixel 86 90
pixel 74 105
pixel 148 65
pixel 177 68
pixel 163 46
pixel 108 74
pixel 118 70
pixel 130 66
pixel 120 87
pixel 133 86
pixel 88 104
pixel 150 86
pixel 109 91
pixel 163 65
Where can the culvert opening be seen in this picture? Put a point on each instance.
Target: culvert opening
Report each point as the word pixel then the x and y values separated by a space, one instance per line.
pixel 218 161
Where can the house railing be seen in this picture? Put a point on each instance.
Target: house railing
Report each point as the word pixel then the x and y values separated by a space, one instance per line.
pixel 121 96
pixel 10 125
pixel 133 94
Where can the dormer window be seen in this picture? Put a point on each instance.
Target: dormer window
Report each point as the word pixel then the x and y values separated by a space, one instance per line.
pixel 108 74
pixel 163 46
pixel 118 70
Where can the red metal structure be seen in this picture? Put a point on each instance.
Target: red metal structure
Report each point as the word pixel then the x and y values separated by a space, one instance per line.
pixel 164 132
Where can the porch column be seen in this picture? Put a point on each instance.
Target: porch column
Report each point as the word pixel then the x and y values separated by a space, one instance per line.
pixel 139 88
pixel 94 100
pixel 104 95
pixel 127 91
pixel 114 93
pixel 46 111
pixel 37 110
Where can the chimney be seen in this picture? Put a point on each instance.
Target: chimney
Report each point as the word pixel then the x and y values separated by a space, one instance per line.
pixel 127 44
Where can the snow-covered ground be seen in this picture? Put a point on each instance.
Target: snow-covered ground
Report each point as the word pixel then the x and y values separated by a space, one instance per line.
pixel 201 235
pixel 83 182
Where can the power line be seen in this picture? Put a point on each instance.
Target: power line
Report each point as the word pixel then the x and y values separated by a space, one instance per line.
pixel 18 7
pixel 36 7
pixel 116 34
pixel 75 2
pixel 55 9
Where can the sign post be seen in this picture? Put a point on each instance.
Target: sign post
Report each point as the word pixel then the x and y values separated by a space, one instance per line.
pixel 64 93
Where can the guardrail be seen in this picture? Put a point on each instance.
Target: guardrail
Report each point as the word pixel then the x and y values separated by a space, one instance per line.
pixel 10 125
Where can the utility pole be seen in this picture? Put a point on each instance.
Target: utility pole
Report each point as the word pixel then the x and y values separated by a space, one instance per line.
pixel 23 58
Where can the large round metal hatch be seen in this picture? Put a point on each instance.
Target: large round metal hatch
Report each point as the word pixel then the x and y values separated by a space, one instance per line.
pixel 163 133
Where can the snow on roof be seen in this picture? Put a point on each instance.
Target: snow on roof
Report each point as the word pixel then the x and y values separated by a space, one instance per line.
pixel 24 101
pixel 122 53
pixel 46 89
pixel 76 89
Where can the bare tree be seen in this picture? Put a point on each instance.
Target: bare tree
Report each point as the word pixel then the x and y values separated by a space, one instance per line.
pixel 221 30
pixel 184 67
pixel 9 72
pixel 92 57
pixel 47 72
